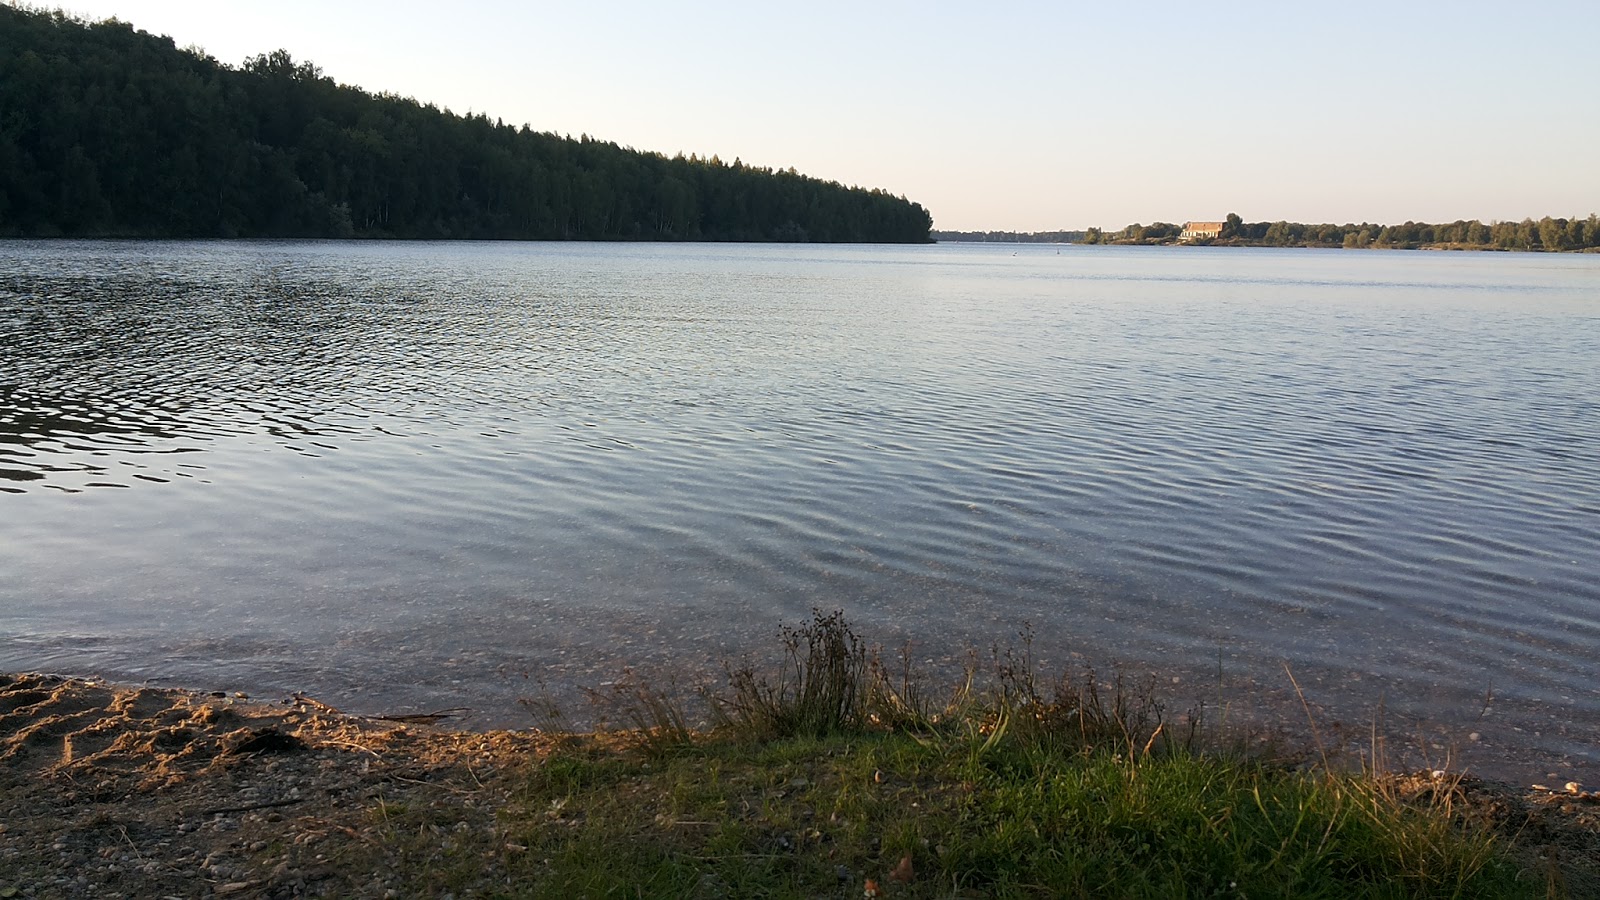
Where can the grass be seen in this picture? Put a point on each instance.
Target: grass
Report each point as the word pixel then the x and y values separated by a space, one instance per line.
pixel 835 776
pixel 818 816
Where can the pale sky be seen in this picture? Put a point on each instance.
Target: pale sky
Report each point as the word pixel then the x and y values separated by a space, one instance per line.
pixel 1025 117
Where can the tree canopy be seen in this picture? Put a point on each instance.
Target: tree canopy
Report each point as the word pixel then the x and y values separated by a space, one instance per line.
pixel 1010 237
pixel 1545 234
pixel 107 130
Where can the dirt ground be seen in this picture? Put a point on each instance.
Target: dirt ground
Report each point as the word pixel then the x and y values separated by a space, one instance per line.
pixel 118 791
pixel 111 791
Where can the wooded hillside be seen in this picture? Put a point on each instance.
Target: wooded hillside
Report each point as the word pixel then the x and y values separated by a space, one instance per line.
pixel 107 130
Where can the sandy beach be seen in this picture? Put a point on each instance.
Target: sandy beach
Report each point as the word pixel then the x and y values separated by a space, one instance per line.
pixel 121 791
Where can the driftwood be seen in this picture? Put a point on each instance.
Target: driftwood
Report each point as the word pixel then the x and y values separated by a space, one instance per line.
pixel 404 718
pixel 425 718
pixel 317 705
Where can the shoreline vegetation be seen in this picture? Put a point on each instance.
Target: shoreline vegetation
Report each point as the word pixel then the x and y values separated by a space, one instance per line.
pixel 830 773
pixel 1549 234
pixel 109 131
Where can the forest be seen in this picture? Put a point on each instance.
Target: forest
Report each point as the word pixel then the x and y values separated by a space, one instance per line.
pixel 106 130
pixel 1010 237
pixel 1548 233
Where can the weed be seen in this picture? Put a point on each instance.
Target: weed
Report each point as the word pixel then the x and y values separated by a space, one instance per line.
pixel 820 687
pixel 656 716
pixel 838 767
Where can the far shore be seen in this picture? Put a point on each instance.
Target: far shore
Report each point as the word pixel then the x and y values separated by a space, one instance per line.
pixel 1449 246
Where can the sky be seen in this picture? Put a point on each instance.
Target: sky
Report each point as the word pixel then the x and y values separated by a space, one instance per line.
pixel 1017 117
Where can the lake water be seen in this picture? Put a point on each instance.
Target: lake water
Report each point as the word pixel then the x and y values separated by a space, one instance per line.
pixel 404 476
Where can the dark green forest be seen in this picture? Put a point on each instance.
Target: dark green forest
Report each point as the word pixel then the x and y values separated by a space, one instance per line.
pixel 1548 233
pixel 110 131
pixel 1010 237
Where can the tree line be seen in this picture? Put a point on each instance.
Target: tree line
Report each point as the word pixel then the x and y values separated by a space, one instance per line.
pixel 1548 233
pixel 1010 237
pixel 110 131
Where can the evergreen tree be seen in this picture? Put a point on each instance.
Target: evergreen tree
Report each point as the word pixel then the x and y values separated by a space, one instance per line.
pixel 105 130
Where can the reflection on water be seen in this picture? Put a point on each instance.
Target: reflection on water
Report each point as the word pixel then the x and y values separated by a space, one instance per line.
pixel 409 474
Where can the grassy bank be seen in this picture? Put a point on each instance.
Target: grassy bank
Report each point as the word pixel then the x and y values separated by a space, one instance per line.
pixel 835 777
pixel 819 816
pixel 829 774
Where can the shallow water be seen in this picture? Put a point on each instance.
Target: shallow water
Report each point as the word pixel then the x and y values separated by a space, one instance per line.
pixel 401 476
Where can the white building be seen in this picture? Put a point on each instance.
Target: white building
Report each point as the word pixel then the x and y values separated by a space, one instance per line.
pixel 1195 231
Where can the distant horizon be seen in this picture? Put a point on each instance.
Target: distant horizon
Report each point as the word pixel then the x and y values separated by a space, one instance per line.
pixel 1119 227
pixel 1015 121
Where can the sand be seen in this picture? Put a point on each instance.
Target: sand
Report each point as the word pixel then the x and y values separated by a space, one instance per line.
pixel 116 791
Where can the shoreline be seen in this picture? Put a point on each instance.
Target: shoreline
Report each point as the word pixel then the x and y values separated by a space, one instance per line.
pixel 122 790
pixel 110 789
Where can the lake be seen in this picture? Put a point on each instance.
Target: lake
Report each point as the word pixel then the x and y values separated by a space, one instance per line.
pixel 406 476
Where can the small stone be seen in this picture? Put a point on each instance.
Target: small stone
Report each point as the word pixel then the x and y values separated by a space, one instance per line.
pixel 1574 788
pixel 1474 736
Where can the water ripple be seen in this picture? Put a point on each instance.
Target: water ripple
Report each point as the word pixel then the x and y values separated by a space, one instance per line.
pixel 410 469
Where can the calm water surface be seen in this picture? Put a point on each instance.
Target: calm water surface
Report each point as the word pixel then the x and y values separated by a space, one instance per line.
pixel 407 476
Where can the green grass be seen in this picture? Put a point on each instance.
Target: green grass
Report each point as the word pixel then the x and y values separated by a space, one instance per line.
pixel 815 816
pixel 835 769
